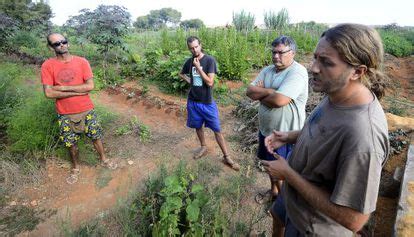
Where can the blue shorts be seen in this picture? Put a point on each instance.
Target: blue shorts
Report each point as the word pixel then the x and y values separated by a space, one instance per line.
pixel 263 154
pixel 278 209
pixel 199 114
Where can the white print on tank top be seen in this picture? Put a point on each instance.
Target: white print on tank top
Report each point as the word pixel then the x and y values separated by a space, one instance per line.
pixel 197 80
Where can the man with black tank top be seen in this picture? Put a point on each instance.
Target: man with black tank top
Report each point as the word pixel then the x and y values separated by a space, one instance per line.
pixel 199 72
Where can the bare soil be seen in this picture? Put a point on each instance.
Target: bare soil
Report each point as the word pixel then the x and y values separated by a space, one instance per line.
pixel 171 141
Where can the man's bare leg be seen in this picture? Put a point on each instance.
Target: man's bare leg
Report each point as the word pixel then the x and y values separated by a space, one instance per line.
pixel 221 142
pixel 278 227
pixel 200 135
pixel 223 146
pixel 74 156
pixel 99 148
pixel 274 187
pixel 200 152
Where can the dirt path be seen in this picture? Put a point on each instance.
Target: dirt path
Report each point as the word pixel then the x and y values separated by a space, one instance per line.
pixel 87 199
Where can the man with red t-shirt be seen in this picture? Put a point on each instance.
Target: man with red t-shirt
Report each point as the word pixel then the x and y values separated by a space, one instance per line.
pixel 68 79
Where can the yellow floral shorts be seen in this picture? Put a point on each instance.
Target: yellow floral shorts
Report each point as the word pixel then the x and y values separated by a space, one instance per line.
pixel 69 138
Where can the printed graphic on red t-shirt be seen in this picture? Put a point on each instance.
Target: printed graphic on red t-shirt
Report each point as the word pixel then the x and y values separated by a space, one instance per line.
pixel 66 75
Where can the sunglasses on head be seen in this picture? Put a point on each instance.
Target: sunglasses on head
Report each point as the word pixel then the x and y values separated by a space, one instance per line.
pixel 58 43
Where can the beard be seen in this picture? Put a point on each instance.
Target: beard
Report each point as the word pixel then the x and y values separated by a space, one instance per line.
pixel 329 85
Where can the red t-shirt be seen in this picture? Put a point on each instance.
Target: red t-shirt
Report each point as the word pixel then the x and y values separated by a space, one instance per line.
pixel 74 72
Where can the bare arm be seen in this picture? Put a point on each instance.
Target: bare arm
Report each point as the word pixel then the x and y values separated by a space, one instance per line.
pixel 52 93
pixel 185 77
pixel 275 100
pixel 318 198
pixel 258 92
pixel 82 88
pixel 267 96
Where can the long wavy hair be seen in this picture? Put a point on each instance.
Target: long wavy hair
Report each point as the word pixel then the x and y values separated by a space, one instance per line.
pixel 360 45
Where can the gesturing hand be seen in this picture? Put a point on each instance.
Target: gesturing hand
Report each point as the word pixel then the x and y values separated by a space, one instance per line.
pixel 276 168
pixel 196 63
pixel 275 140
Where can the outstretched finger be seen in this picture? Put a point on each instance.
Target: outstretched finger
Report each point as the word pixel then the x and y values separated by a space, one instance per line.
pixel 277 156
pixel 265 163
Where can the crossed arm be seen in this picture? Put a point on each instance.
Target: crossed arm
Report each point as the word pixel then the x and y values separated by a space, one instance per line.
pixel 267 96
pixel 58 92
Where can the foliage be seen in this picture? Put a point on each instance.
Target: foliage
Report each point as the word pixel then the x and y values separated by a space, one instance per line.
pixel 11 95
pixel 175 204
pixel 397 41
pixel 192 23
pixel 231 55
pixel 135 126
pixel 30 15
pixel 107 76
pixel 29 133
pixel 277 21
pixel 26 39
pixel 22 218
pixel 105 26
pixel 167 73
pixel 311 26
pixel 243 21
pixel 8 27
pixel 158 19
pixel 142 22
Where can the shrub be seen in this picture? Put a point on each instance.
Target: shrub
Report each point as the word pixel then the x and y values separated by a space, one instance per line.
pixel 243 21
pixel 29 133
pixel 167 73
pixel 396 44
pixel 175 204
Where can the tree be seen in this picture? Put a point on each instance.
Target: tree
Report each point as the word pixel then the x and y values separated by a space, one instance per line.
pixel 277 21
pixel 192 23
pixel 30 16
pixel 158 19
pixel 105 26
pixel 142 22
pixel 8 27
pixel 243 21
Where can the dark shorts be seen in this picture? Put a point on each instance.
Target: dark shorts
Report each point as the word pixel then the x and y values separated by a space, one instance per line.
pixel 263 154
pixel 199 114
pixel 69 138
pixel 278 209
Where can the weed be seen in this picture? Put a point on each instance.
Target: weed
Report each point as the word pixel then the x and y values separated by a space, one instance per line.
pixel 103 178
pixel 16 219
pixel 144 133
pixel 134 125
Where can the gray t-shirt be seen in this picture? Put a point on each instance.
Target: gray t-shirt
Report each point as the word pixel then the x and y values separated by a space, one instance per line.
pixel 341 150
pixel 291 82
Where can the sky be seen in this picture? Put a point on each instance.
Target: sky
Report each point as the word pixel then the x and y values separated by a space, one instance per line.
pixel 219 12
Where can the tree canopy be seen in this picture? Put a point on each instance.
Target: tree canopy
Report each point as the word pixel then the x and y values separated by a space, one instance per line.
pixel 158 19
pixel 30 16
pixel 192 23
pixel 105 26
pixel 243 21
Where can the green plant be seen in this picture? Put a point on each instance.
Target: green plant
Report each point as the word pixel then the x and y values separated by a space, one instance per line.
pixel 21 218
pixel 144 133
pixel 243 21
pixel 167 74
pixel 277 21
pixel 29 133
pixel 103 178
pixel 396 44
pixel 174 204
